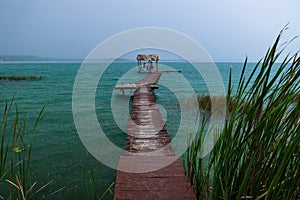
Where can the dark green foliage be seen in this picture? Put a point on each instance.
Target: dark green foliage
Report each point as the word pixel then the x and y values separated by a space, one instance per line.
pixel 20 78
pixel 258 153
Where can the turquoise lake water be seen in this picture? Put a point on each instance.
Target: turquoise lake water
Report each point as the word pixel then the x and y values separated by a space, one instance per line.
pixel 58 154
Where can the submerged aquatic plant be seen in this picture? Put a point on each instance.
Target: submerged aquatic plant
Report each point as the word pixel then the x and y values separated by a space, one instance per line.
pixel 257 155
pixel 20 78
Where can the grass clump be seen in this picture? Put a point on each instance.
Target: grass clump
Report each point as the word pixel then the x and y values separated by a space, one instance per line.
pixel 92 177
pixel 20 78
pixel 15 155
pixel 205 102
pixel 257 153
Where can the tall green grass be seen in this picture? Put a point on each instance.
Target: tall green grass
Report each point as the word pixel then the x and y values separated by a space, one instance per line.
pixel 92 184
pixel 257 155
pixel 15 152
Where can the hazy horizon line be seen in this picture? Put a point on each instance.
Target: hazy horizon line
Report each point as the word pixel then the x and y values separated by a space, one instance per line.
pixel 36 58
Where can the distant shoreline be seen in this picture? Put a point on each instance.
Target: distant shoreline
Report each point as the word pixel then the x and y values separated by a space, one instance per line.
pixel 39 61
pixel 33 58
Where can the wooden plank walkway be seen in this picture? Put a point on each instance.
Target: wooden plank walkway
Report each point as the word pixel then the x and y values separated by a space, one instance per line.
pixel 126 86
pixel 149 169
pixel 150 79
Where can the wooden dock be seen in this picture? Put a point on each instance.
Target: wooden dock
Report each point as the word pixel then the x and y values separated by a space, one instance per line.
pixel 150 79
pixel 149 168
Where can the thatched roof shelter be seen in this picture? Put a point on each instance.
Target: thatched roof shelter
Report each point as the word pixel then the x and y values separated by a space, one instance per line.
pixel 149 58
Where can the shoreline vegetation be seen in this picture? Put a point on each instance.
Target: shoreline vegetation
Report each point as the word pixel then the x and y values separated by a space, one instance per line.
pixel 257 153
pixel 20 78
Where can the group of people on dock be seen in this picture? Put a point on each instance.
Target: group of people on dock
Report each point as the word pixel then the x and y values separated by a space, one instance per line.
pixel 148 67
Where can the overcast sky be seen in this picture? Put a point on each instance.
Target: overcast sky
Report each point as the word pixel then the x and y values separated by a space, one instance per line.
pixel 228 29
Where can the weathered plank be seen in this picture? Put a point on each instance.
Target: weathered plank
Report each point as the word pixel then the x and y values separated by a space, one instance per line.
pixel 149 168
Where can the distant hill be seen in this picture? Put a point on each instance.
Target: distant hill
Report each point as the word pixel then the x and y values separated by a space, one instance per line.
pixel 33 58
pixel 8 58
pixel 112 59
